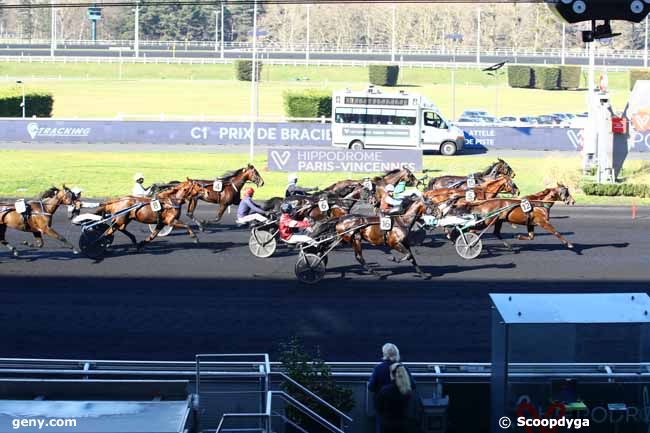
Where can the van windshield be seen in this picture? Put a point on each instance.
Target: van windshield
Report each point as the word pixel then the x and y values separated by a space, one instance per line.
pixel 434 120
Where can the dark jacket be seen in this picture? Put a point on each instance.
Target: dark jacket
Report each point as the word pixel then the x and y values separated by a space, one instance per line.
pixel 381 377
pixel 393 407
pixel 293 189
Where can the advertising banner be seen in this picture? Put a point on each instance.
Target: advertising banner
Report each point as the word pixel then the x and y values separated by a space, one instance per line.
pixel 343 160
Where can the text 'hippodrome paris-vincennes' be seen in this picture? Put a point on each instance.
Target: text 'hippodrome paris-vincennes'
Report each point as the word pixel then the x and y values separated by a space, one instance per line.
pixel 344 161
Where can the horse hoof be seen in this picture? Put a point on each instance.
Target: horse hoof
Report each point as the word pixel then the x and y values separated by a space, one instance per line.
pixel 196 241
pixel 75 252
pixel 202 229
pixel 569 246
pixel 15 253
pixel 25 243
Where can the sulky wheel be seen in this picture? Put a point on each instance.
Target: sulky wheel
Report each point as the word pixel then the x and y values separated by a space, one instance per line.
pixel 93 243
pixel 262 243
pixel 310 269
pixel 469 246
pixel 163 231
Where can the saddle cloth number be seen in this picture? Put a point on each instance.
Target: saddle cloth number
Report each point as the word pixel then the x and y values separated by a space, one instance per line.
pixel 21 207
pixel 385 223
pixel 470 195
pixel 217 185
pixel 367 185
pixel 156 206
pixel 526 206
pixel 471 181
pixel 323 205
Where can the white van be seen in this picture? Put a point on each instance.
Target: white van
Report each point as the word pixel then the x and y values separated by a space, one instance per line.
pixel 374 120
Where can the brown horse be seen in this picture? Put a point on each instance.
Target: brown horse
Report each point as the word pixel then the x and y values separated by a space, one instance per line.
pixel 37 218
pixel 488 189
pixel 495 170
pixel 141 211
pixel 310 207
pixel 514 214
pixel 354 229
pixel 232 184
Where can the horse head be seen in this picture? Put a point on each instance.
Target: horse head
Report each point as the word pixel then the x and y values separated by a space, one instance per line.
pixel 251 174
pixel 510 186
pixel 502 168
pixel 564 195
pixel 68 197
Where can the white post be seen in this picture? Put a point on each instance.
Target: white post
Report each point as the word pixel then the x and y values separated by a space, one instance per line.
pixel 53 30
pixel 216 31
pixel 223 14
pixel 478 35
pixel 23 104
pixel 308 34
pixel 453 94
pixel 394 37
pixel 136 39
pixel 591 76
pixel 645 54
pixel 253 86
pixel 563 43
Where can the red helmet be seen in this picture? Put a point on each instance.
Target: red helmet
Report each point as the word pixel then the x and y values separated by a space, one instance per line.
pixel 249 192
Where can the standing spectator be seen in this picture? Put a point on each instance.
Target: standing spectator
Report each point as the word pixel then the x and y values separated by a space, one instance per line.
pixel 393 401
pixel 381 375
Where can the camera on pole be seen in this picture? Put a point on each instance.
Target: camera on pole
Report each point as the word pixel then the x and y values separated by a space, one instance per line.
pixel 575 11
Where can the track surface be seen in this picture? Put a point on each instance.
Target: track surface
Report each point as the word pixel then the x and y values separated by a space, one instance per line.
pixel 176 299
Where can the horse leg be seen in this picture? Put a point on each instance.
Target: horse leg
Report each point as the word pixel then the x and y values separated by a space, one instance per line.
pixel 3 241
pixel 497 233
pixel 49 231
pixel 179 225
pixel 356 246
pixel 122 229
pixel 531 233
pixel 408 255
pixel 548 227
pixel 220 212
pixel 152 236
pixel 191 207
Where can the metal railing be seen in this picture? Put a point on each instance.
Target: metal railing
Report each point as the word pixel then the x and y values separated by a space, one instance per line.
pixel 298 47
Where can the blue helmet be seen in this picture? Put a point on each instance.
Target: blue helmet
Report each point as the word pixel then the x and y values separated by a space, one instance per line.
pixel 286 208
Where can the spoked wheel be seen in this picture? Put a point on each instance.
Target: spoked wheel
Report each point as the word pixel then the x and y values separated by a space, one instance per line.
pixel 310 269
pixel 163 231
pixel 469 246
pixel 262 243
pixel 93 243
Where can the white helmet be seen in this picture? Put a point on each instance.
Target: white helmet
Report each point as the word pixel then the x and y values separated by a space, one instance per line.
pixel 389 188
pixel 138 176
pixel 76 190
pixel 292 177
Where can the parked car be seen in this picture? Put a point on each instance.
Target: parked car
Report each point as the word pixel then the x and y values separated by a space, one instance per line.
pixel 509 121
pixel 474 114
pixel 528 121
pixel 491 120
pixel 547 119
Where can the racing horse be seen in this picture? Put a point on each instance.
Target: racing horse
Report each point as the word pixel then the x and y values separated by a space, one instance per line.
pixel 486 190
pixel 354 229
pixel 514 214
pixel 232 184
pixel 350 189
pixel 141 210
pixel 495 170
pixel 37 217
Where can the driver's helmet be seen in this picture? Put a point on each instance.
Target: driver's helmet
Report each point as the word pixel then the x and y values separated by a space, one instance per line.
pixel 401 187
pixel 389 188
pixel 138 176
pixel 249 192
pixel 293 177
pixel 286 208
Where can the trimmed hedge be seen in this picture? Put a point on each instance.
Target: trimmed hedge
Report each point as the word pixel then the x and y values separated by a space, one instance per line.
pixel 520 76
pixel 383 75
pixel 570 77
pixel 546 77
pixel 244 70
pixel 617 189
pixel 638 74
pixel 307 103
pixel 37 103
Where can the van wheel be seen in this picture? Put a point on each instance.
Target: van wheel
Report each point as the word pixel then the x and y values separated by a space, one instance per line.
pixel 356 145
pixel 448 148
